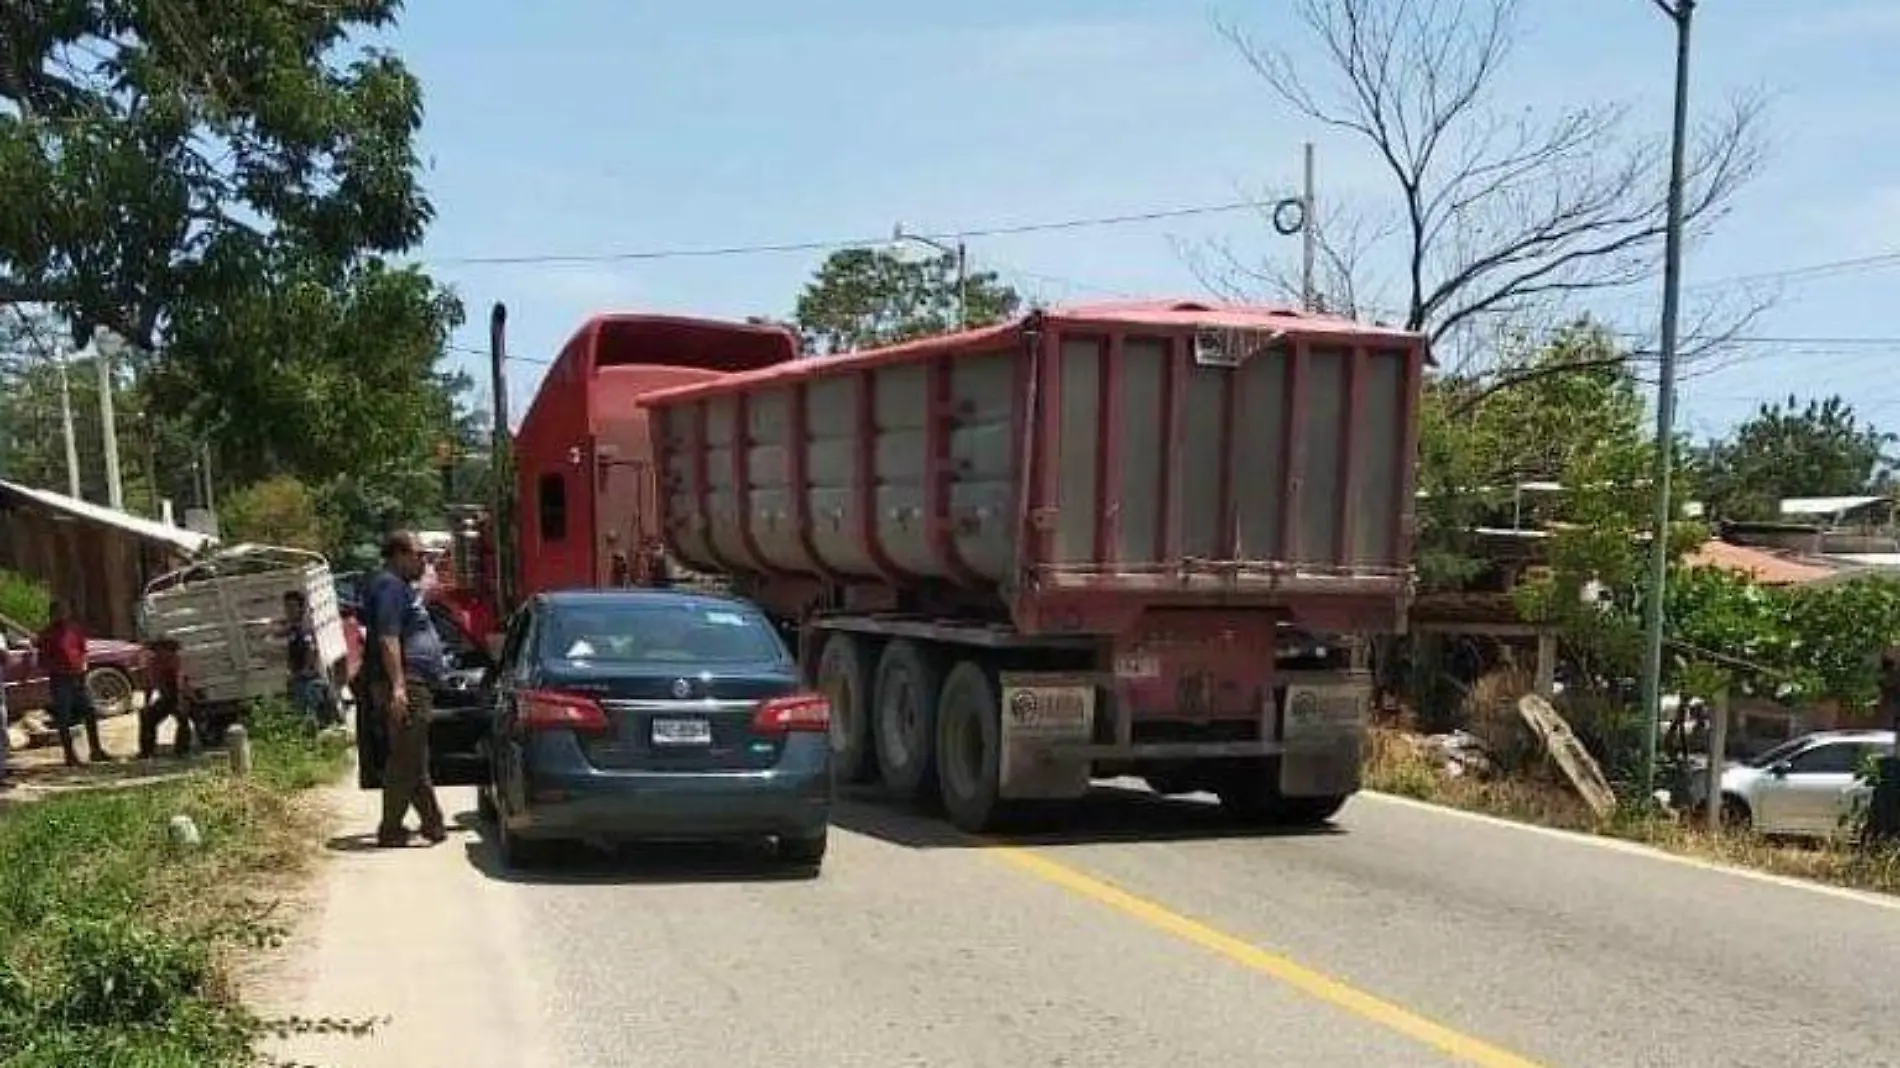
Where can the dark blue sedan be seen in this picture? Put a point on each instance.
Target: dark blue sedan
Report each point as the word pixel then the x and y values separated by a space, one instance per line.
pixel 630 715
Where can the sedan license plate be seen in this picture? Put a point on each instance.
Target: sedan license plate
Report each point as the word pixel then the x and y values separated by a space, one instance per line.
pixel 676 732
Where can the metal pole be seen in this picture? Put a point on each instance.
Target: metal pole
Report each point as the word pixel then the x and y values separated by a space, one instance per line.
pixel 1718 755
pixel 962 256
pixel 66 426
pixel 963 287
pixel 1309 236
pixel 1681 14
pixel 500 470
pixel 211 499
pixel 109 427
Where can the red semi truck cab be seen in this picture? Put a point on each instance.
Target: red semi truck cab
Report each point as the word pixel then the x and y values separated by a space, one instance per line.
pixel 586 502
pixel 586 485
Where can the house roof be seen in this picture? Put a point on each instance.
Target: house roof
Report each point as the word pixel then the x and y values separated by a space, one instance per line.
pixel 1816 506
pixel 1767 568
pixel 189 541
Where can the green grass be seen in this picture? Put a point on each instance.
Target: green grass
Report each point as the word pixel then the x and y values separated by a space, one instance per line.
pixel 113 940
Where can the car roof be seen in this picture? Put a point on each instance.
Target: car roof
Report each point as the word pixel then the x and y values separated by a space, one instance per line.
pixel 642 597
pixel 1857 734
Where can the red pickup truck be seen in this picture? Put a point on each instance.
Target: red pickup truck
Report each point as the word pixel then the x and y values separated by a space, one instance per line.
pixel 116 678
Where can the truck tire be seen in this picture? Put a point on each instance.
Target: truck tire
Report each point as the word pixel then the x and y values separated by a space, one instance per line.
pixel 1252 797
pixel 1310 811
pixel 905 727
pixel 111 691
pixel 969 748
pixel 846 682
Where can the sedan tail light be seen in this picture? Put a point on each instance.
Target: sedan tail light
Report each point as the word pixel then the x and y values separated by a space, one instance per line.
pixel 799 712
pixel 553 710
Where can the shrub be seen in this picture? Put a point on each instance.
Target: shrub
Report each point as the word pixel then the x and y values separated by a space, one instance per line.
pixel 23 600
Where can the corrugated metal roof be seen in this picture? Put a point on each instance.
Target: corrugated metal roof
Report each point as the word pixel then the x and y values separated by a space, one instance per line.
pixel 188 540
pixel 1769 569
pixel 1880 560
pixel 1824 505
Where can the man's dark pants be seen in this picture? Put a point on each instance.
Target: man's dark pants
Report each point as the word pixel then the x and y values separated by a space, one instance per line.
pixel 406 780
pixel 72 704
pixel 156 713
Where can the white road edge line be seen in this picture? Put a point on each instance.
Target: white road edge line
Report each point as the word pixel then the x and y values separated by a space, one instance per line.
pixel 1618 845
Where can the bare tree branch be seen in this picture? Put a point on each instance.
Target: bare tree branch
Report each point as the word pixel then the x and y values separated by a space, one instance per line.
pixel 1503 215
pixel 1345 237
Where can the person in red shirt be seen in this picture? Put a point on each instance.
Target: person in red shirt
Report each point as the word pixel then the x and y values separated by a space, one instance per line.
pixel 62 649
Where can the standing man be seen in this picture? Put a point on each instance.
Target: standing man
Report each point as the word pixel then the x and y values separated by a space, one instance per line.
pixel 62 649
pixel 401 656
pixel 309 690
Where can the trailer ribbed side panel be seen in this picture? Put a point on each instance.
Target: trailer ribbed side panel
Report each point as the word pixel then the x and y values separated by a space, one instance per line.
pixel 1253 461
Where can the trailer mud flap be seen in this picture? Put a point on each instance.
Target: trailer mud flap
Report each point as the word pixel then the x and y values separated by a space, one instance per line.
pixel 1041 713
pixel 1323 733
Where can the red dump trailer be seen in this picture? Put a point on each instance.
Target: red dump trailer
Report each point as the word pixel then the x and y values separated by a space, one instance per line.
pixel 1133 539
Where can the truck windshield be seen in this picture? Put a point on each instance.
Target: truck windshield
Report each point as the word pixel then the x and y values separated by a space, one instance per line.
pixel 676 633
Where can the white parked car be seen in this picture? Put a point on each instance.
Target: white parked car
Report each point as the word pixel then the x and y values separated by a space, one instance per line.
pixel 1807 787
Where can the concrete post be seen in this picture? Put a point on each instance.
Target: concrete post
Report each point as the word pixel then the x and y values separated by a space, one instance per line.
pixel 237 741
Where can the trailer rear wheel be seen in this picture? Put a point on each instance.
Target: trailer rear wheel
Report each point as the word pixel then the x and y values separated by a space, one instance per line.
pixel 845 681
pixel 1252 796
pixel 906 725
pixel 969 748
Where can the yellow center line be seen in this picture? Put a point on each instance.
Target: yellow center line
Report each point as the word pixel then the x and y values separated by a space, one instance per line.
pixel 1312 983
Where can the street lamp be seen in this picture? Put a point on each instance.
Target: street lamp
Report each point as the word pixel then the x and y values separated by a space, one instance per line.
pixel 1680 12
pixel 963 293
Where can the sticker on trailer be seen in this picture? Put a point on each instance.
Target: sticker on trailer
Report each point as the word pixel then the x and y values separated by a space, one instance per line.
pixel 1326 712
pixel 1137 666
pixel 1040 714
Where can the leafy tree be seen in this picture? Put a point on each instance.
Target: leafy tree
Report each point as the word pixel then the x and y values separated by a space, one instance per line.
pixel 1787 449
pixel 1798 643
pixel 1577 420
pixel 359 393
pixel 149 151
pixel 865 297
pixel 277 511
pixel 220 183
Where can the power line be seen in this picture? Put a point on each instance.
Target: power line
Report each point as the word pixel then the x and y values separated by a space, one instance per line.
pixel 1824 269
pixel 830 244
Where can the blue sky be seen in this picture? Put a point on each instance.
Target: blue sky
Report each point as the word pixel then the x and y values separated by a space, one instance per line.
pixel 594 126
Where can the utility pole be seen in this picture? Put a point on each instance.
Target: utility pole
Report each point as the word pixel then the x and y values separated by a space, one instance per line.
pixel 211 500
pixel 1681 13
pixel 108 425
pixel 1309 236
pixel 500 465
pixel 962 257
pixel 66 426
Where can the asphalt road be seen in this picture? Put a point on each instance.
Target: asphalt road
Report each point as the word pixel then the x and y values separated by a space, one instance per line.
pixel 1152 933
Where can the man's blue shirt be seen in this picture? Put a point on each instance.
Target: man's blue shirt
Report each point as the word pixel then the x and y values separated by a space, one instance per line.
pixel 392 607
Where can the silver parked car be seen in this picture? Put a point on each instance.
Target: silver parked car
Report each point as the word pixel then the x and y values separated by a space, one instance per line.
pixel 1807 787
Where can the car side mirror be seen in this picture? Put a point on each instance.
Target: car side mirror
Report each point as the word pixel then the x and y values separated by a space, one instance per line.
pixel 1781 769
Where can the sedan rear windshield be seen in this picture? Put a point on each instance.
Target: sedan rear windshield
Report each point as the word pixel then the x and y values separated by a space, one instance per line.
pixel 688 634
